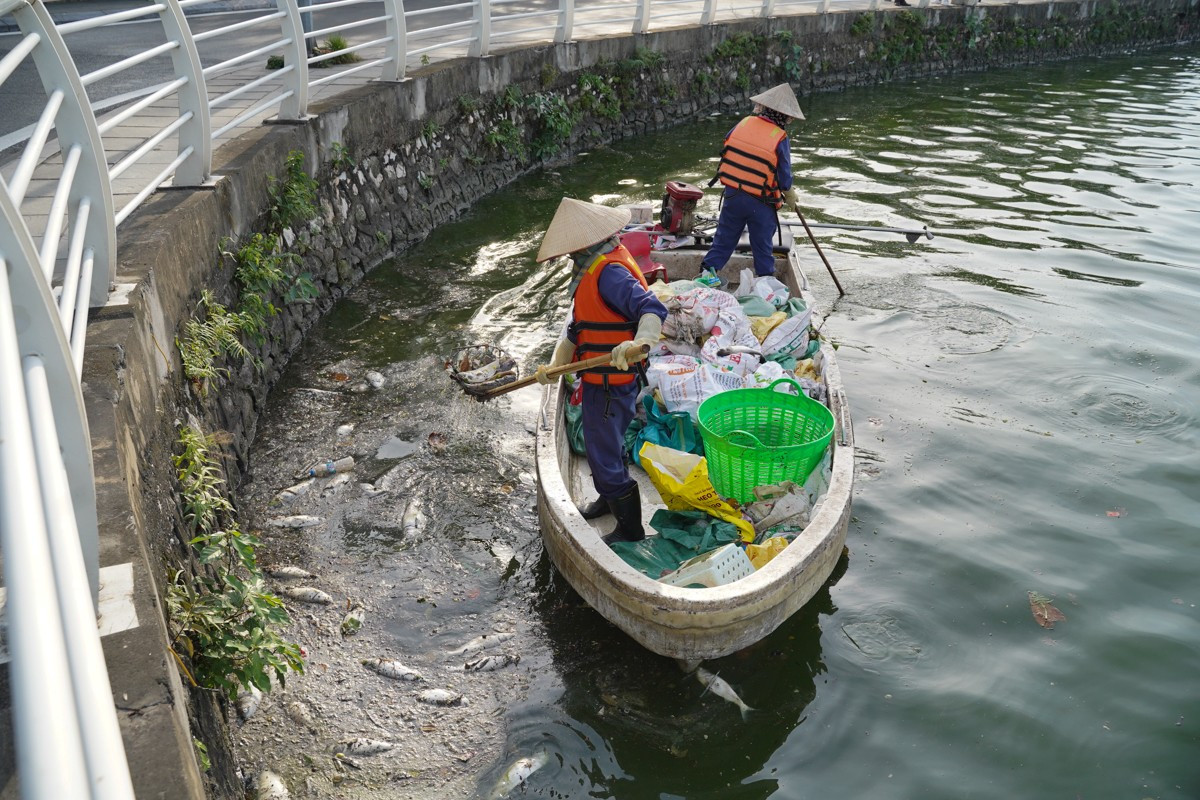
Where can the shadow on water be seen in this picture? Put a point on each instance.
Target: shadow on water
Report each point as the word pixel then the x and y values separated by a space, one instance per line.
pixel 631 724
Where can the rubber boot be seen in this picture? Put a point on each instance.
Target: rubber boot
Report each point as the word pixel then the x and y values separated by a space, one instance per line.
pixel 595 509
pixel 628 511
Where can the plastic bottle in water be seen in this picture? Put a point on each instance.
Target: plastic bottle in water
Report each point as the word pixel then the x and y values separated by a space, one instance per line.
pixel 331 467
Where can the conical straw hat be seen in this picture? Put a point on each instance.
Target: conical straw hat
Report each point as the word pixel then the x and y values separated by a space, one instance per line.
pixel 577 225
pixel 782 99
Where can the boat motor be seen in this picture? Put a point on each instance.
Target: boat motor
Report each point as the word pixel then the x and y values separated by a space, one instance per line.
pixel 678 206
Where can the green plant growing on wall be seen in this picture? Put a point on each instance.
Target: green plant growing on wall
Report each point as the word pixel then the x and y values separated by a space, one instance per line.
pixel 738 46
pixel 425 181
pixel 339 157
pixel 511 98
pixel 294 197
pixel 596 96
pixel 863 25
pixel 505 137
pixel 555 122
pixel 259 272
pixel 549 75
pixel 431 129
pixel 467 104
pixel 223 620
pixel 205 341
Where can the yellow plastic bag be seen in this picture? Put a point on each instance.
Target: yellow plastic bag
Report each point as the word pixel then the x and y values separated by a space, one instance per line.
pixel 761 327
pixel 682 480
pixel 760 554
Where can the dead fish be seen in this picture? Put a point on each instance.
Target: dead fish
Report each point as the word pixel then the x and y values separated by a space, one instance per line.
pixel 354 619
pixel 369 490
pixel 517 773
pixel 307 594
pixel 480 642
pixel 248 702
pixel 481 374
pixel 300 714
pixel 442 697
pixel 721 689
pixel 334 485
pixel 413 521
pixel 271 786
pixel 344 430
pixel 376 379
pixel 491 663
pixel 287 572
pixel 391 668
pixel 292 492
pixel 294 521
pixel 364 747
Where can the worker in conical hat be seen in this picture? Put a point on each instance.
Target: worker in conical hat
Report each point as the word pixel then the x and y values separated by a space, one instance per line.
pixel 756 170
pixel 614 312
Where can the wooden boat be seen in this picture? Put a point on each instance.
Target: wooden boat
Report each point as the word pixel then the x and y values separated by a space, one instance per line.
pixel 691 624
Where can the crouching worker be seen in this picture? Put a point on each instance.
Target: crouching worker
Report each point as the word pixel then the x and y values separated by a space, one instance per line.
pixel 613 312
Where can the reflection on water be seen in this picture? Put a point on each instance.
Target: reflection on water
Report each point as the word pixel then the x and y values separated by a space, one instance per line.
pixel 1013 381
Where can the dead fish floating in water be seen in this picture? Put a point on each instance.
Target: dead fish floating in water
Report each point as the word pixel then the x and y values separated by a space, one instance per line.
pixel 491 663
pixel 292 492
pixel 294 521
pixel 413 521
pixel 248 702
pixel 354 619
pixel 364 747
pixel 391 668
pixel 286 572
pixel 517 773
pixel 271 787
pixel 307 594
pixel 442 697
pixel 480 642
pixel 718 686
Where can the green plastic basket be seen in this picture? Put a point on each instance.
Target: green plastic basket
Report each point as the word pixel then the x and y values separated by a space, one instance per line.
pixel 754 437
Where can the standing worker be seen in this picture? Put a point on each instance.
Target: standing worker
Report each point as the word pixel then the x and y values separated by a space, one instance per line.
pixel 756 169
pixel 614 312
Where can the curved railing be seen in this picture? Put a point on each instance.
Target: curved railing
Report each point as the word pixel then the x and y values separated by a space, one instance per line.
pixel 62 200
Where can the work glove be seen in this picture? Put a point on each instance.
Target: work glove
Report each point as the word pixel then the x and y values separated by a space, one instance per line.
pixel 792 200
pixel 563 353
pixel 649 331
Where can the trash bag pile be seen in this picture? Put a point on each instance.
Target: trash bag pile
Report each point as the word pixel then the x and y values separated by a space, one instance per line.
pixel 715 341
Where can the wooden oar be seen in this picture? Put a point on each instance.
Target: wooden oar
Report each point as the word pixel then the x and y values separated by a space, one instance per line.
pixel 813 239
pixel 555 372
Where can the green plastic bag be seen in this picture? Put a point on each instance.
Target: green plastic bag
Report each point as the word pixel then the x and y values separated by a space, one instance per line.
pixel 676 430
pixel 573 411
pixel 682 535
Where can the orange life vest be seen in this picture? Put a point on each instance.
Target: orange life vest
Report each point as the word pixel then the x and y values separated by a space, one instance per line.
pixel 596 327
pixel 749 159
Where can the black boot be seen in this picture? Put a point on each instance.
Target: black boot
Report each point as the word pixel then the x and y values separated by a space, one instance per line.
pixel 628 511
pixel 595 509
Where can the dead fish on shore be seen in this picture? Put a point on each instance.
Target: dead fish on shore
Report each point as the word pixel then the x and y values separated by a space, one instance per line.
pixel 364 747
pixel 354 619
pixel 248 702
pixel 292 492
pixel 491 663
pixel 721 689
pixel 442 697
pixel 344 430
pixel 307 594
pixel 271 787
pixel 286 572
pixel 369 490
pixel 517 773
pixel 376 379
pixel 391 668
pixel 480 642
pixel 294 521
pixel 301 715
pixel 335 484
pixel 413 521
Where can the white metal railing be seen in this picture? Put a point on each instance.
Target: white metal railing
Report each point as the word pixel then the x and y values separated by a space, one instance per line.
pixel 61 203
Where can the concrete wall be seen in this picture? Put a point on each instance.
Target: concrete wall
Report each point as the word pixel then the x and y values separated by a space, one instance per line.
pixel 421 152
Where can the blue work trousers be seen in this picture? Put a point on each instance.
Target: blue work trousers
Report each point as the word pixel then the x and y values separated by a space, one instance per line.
pixel 740 211
pixel 606 415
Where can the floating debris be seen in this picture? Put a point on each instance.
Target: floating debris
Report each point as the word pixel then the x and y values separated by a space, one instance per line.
pixel 718 686
pixel 248 702
pixel 344 430
pixel 438 442
pixel 354 619
pixel 480 642
pixel 517 773
pixel 287 572
pixel 364 747
pixel 413 521
pixel 376 379
pixel 295 521
pixel 320 469
pixel 334 485
pixel 289 494
pixel 1044 613
pixel 492 663
pixel 271 786
pixel 442 697
pixel 391 668
pixel 301 715
pixel 307 594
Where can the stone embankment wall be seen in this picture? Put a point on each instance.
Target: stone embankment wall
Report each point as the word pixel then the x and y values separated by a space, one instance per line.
pixel 394 161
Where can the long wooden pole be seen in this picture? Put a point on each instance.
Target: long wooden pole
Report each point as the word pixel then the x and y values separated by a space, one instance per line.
pixel 554 372
pixel 813 239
